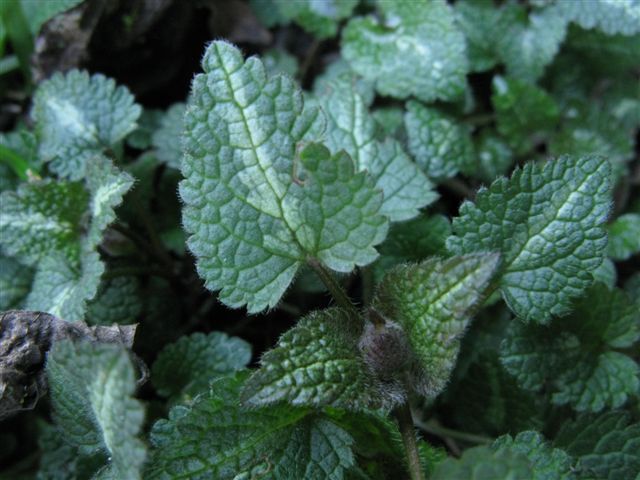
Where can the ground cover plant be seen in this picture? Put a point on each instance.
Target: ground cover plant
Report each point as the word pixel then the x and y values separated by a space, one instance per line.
pixel 320 239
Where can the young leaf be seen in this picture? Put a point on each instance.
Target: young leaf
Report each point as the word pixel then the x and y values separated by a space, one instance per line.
pixel 78 117
pixel 546 220
pixel 167 139
pixel 42 218
pixel 576 356
pixel 215 438
pixel 256 210
pixel 523 112
pixel 187 366
pixel 320 18
pixel 91 391
pixel 415 50
pixel 350 127
pixel 62 287
pixel 606 446
pixel 432 301
pixel 478 20
pixel 546 462
pixel 316 363
pixel 440 145
pixel 624 236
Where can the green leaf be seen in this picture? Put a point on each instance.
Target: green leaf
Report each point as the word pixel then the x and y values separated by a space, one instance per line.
pixel 494 157
pixel 278 61
pixel 148 123
pixel 484 463
pixel 350 127
pixel 78 117
pixel 619 17
pixel 440 145
pixel 187 366
pixel 320 17
pixel 15 283
pixel 525 113
pixel 118 301
pixel 256 210
pixel 546 462
pixel 316 363
pixel 606 446
pixel 62 287
pixel 42 218
pixel 478 20
pixel 574 357
pixel 416 49
pixel 432 302
pixel 528 43
pixel 167 139
pixel 546 221
pixel 91 389
pixel 215 438
pixel 624 236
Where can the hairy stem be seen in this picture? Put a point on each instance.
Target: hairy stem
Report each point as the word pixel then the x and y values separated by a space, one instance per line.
pixel 405 422
pixel 334 287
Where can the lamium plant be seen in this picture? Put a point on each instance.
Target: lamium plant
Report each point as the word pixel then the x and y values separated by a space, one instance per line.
pixel 422 265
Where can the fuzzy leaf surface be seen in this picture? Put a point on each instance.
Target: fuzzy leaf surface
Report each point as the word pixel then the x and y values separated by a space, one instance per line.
pixel 416 50
pixel 350 127
pixel 42 218
pixel 440 145
pixel 610 16
pixel 255 210
pixel 576 355
pixel 118 301
pixel 432 301
pixel 15 283
pixel 546 221
pixel 187 366
pixel 319 17
pixel 605 446
pixel 215 438
pixel 91 391
pixel 484 463
pixel 316 363
pixel 78 117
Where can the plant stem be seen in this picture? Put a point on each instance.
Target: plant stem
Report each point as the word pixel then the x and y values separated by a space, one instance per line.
pixel 443 432
pixel 405 422
pixel 334 287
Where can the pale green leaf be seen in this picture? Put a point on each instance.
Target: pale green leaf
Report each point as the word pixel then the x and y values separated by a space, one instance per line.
pixel 478 19
pixel 216 438
pixel 606 446
pixel 350 127
pixel 546 221
pixel 255 209
pixel 167 139
pixel 277 61
pixel 187 366
pixel 606 273
pixel 118 301
pixel 319 17
pixel 610 16
pixel 416 49
pixel 91 387
pixel 316 363
pixel 484 463
pixel 528 43
pixel 15 283
pixel 494 157
pixel 42 218
pixel 62 287
pixel 575 355
pixel 624 236
pixel 432 301
pixel 78 117
pixel 148 123
pixel 37 12
pixel 440 145
pixel 525 114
